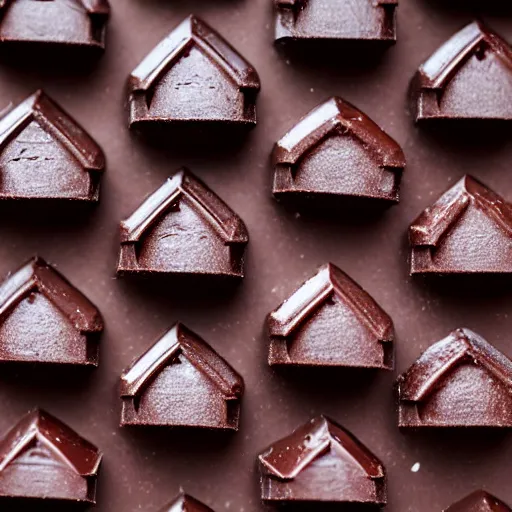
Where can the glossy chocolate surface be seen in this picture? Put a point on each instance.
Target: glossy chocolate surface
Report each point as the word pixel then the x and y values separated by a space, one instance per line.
pixel 331 321
pixel 45 319
pixel 479 501
pixel 460 381
pixel 41 457
pixel 186 503
pixel 468 230
pixel 469 77
pixel 181 382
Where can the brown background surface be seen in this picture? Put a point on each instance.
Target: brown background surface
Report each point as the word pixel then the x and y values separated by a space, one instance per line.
pixel 143 470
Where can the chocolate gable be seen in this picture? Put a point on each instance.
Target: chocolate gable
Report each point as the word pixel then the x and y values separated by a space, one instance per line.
pixel 213 83
pixel 349 20
pixel 297 467
pixel 337 150
pixel 44 153
pixel 469 77
pixel 178 228
pixel 192 385
pixel 471 213
pixel 186 503
pixel 44 318
pixel 67 465
pixel 429 392
pixel 479 501
pixel 331 321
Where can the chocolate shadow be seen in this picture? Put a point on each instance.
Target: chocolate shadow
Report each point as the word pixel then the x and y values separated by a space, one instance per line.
pixel 324 507
pixel 41 505
pixel 474 8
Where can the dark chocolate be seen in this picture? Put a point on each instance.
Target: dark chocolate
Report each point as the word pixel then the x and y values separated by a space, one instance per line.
pixel 479 501
pixel 45 319
pixel 468 230
pixel 185 503
pixel 46 154
pixel 70 23
pixel 183 228
pixel 460 381
pixel 331 321
pixel 181 382
pixel 193 76
pixel 335 20
pixel 321 462
pixel 469 77
pixel 42 458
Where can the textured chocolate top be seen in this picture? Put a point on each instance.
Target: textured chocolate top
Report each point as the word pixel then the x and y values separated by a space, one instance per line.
pixel 186 503
pixel 479 501
pixel 96 7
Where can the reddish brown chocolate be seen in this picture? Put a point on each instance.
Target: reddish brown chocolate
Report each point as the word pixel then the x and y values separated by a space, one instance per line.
pixel 186 503
pixel 45 319
pixel 460 381
pixel 468 230
pixel 181 382
pixel 469 77
pixel 335 20
pixel 46 154
pixel 334 153
pixel 183 229
pixel 69 23
pixel 331 321
pixel 479 501
pixel 42 458
pixel 193 76
pixel 321 462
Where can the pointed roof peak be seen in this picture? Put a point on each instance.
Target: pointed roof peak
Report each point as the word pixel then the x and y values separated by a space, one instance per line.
pixel 186 503
pixel 479 501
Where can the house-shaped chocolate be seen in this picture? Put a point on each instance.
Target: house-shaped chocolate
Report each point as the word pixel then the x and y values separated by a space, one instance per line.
pixel 193 76
pixel 186 503
pixel 183 228
pixel 335 20
pixel 337 152
pixel 331 321
pixel 479 501
pixel 46 154
pixel 181 382
pixel 69 23
pixel 298 467
pixel 45 319
pixel 469 77
pixel 460 381
pixel 42 458
pixel 468 230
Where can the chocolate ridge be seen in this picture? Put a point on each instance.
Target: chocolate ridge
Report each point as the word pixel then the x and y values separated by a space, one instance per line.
pixel 230 226
pixel 95 7
pixel 181 340
pixel 186 503
pixel 479 501
pixel 442 357
pixel 38 275
pixel 79 454
pixel 302 3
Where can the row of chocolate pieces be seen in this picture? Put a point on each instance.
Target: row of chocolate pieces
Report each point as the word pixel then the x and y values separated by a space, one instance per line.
pixel 294 469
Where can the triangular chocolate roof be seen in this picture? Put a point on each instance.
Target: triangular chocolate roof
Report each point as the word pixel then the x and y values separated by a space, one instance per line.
pixel 316 291
pixel 38 275
pixel 435 221
pixel 43 110
pixel 226 222
pixel 193 31
pixel 98 7
pixel 181 341
pixel 286 458
pixel 337 114
pixel 442 357
pixel 440 68
pixel 77 453
pixel 479 501
pixel 185 503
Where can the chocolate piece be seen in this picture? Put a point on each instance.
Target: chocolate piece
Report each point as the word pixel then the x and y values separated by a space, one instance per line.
pixel 43 458
pixel 45 319
pixel 321 462
pixel 183 228
pixel 331 321
pixel 467 230
pixel 181 382
pixel 479 501
pixel 469 77
pixel 70 23
pixel 336 152
pixel 46 154
pixel 193 76
pixel 460 381
pixel 335 20
pixel 185 503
